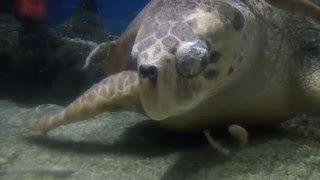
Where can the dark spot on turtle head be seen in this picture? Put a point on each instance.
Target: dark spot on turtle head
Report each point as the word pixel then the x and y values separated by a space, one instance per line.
pixel 240 59
pixel 238 21
pixel 210 74
pixel 214 56
pixel 207 43
pixel 231 69
pixel 173 50
pixel 170 43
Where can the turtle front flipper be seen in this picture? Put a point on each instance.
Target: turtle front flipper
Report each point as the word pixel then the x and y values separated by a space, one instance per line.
pixel 119 89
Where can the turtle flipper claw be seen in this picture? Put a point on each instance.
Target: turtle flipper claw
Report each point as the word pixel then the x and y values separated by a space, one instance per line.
pixel 36 117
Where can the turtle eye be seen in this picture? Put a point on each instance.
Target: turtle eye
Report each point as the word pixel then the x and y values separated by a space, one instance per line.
pixel 192 59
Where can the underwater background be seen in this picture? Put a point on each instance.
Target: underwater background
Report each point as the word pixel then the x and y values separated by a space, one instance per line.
pixel 40 63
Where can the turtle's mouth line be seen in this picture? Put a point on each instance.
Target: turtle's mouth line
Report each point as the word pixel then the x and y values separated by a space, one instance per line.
pixel 189 76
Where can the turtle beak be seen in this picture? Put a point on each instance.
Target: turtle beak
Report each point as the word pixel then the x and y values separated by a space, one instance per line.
pixel 192 59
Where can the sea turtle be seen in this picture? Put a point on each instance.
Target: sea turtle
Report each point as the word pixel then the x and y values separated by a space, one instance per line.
pixel 196 64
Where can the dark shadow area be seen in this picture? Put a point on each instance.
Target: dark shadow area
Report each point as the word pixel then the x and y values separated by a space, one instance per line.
pixel 146 138
pixel 194 161
pixel 41 81
pixel 191 162
pixel 149 139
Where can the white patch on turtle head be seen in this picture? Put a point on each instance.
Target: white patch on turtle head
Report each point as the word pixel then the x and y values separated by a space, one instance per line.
pixel 197 58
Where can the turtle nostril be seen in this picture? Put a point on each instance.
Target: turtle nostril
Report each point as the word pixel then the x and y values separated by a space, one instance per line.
pixel 148 71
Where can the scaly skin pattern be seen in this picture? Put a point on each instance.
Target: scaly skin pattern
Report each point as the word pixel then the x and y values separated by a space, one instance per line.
pixel 202 63
pixel 115 90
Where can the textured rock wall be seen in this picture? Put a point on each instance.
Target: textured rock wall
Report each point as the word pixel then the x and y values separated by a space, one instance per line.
pixel 47 64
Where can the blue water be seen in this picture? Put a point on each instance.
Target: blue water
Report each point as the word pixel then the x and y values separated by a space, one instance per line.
pixel 60 10
pixel 115 15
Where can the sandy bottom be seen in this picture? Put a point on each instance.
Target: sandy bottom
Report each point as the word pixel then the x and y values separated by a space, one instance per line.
pixel 127 146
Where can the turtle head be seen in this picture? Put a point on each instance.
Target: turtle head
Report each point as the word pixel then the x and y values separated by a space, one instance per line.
pixel 185 60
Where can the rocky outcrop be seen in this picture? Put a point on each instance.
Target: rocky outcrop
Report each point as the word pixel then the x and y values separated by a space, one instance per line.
pixel 35 60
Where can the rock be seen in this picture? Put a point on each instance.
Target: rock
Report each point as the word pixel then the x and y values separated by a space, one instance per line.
pixel 46 63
